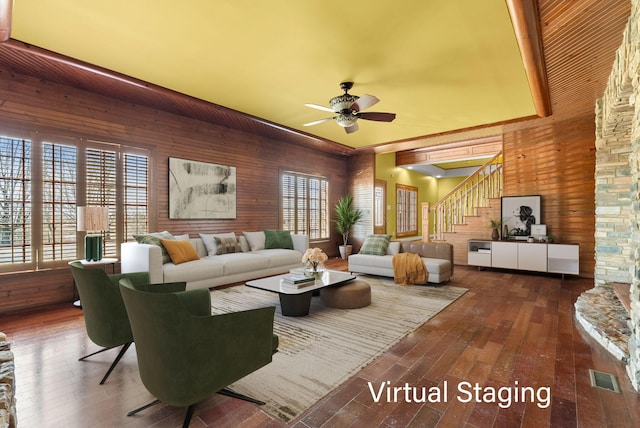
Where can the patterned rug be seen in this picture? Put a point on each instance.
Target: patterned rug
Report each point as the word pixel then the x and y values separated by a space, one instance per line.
pixel 320 351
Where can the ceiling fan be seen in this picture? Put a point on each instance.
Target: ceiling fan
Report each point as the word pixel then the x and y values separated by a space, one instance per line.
pixel 349 109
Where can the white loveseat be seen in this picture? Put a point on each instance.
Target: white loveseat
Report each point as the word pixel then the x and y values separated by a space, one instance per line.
pixel 213 270
pixel 437 258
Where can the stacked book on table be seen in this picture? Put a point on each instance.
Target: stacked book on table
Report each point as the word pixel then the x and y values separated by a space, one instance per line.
pixel 297 280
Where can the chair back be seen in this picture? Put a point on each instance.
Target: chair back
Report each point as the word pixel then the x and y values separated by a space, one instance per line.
pixel 185 354
pixel 105 315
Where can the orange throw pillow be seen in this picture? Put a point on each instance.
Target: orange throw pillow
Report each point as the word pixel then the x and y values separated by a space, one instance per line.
pixel 180 251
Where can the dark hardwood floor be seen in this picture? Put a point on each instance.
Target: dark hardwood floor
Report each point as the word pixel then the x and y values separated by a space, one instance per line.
pixel 509 330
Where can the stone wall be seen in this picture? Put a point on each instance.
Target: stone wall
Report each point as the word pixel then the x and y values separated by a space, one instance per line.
pixel 617 176
pixel 7 385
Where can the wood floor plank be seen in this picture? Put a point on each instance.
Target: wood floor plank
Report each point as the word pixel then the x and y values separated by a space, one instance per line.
pixel 508 327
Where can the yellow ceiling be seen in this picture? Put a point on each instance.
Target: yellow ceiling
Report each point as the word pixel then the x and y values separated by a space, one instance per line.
pixel 439 65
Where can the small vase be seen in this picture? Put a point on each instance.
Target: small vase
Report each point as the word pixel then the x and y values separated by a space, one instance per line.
pixel 495 235
pixel 314 271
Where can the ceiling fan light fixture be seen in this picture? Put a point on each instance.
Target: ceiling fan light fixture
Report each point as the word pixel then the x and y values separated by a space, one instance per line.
pixel 346 120
pixel 342 102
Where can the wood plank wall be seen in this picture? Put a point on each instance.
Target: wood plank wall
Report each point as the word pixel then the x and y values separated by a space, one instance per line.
pixel 557 161
pixel 31 105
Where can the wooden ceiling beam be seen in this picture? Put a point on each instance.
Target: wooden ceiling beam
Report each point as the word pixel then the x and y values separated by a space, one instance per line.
pixel 526 24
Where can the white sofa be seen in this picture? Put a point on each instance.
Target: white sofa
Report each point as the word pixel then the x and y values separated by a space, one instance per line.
pixel 212 270
pixel 437 258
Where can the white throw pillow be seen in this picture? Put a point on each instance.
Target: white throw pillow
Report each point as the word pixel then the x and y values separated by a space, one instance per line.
pixel 255 240
pixel 393 248
pixel 181 237
pixel 244 244
pixel 209 240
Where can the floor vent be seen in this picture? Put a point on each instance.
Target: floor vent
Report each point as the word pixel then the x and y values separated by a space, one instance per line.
pixel 604 381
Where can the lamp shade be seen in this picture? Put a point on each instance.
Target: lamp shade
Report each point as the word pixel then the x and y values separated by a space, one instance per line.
pixel 93 218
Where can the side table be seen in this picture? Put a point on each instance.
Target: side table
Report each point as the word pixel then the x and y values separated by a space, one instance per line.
pixel 90 263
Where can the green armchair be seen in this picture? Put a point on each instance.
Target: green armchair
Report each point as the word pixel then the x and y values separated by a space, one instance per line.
pixel 105 317
pixel 185 354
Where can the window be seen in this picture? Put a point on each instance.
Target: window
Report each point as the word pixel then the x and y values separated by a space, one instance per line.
pixel 407 210
pixel 102 188
pixel 15 202
pixel 38 213
pixel 305 200
pixel 59 183
pixel 136 195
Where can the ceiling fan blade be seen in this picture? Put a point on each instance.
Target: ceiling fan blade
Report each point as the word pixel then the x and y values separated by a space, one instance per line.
pixel 318 107
pixel 351 129
pixel 319 121
pixel 379 117
pixel 364 102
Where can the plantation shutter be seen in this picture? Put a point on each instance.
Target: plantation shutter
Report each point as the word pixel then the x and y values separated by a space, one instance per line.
pixel 101 182
pixel 136 195
pixel 59 182
pixel 15 203
pixel 304 201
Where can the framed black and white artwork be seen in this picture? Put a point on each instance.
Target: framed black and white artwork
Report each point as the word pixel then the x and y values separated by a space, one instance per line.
pixel 519 213
pixel 200 190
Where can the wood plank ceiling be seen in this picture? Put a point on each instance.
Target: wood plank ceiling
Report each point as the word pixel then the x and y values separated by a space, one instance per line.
pixel 579 39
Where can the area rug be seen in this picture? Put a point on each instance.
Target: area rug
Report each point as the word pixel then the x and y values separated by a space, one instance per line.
pixel 320 351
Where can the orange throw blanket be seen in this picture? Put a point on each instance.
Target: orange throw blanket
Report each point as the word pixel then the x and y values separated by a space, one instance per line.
pixel 408 269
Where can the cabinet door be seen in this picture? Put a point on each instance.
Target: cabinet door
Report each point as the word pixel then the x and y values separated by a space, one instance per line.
pixel 504 254
pixel 532 256
pixel 564 258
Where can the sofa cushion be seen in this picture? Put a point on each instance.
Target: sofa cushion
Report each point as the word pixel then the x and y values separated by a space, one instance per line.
pixel 393 248
pixel 237 263
pixel 375 245
pixel 434 266
pixel 255 240
pixel 278 239
pixel 227 245
pixel 154 239
pixel 281 257
pixel 206 267
pixel 209 240
pixel 180 251
pixel 244 244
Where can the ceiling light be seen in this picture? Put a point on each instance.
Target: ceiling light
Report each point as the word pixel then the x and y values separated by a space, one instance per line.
pixel 346 120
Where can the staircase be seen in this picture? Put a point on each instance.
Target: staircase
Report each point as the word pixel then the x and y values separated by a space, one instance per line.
pixel 466 211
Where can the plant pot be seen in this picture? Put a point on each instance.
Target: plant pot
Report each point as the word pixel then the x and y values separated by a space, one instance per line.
pixel 345 251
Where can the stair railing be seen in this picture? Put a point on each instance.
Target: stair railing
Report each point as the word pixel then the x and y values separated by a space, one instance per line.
pixel 473 192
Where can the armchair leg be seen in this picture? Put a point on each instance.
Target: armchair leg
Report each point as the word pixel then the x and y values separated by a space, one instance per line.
pixel 94 353
pixel 231 393
pixel 187 417
pixel 141 408
pixel 115 362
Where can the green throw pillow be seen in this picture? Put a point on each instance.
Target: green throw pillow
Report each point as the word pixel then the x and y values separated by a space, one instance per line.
pixel 278 239
pixel 154 239
pixel 375 245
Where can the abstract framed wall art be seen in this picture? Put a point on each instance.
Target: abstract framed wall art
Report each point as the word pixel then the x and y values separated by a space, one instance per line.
pixel 200 190
pixel 519 213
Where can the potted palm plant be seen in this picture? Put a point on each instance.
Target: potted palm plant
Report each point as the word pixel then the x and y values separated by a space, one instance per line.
pixel 346 216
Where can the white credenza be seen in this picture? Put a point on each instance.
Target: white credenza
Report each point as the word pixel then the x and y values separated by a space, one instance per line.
pixel 530 256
